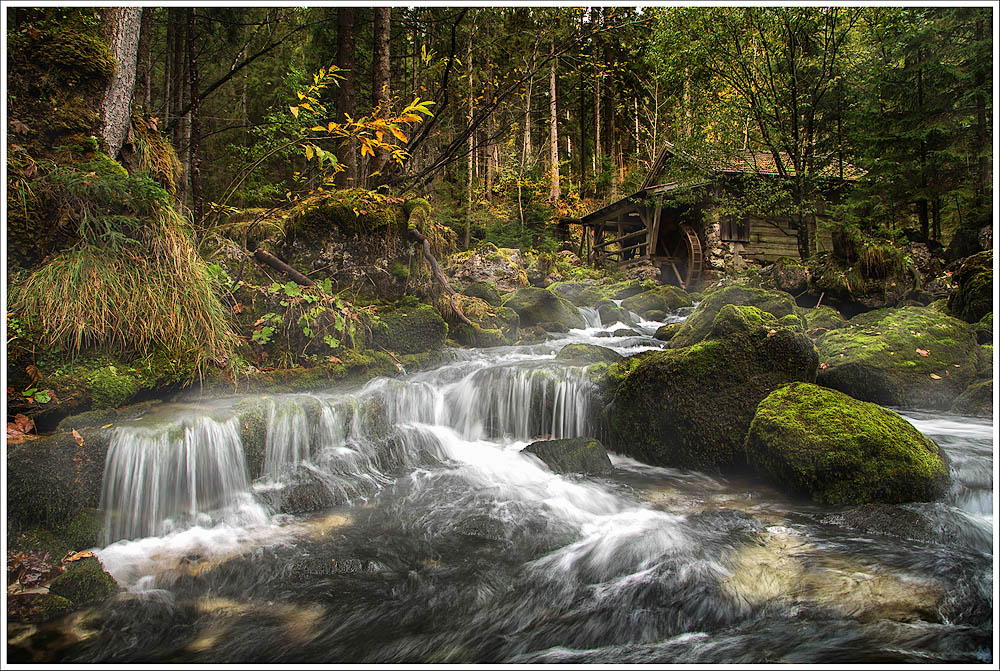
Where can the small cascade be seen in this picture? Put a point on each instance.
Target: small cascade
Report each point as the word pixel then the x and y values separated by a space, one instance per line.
pixel 158 478
pixel 287 437
pixel 591 317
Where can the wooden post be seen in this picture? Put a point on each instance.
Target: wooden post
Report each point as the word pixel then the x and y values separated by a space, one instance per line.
pixel 654 233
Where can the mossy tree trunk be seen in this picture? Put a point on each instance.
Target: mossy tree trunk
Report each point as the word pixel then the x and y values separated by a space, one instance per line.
pixel 121 27
pixel 380 82
pixel 553 130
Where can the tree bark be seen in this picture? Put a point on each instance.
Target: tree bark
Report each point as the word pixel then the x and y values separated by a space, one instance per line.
pixel 380 81
pixel 553 131
pixel 269 259
pixel 145 63
pixel 470 164
pixel 197 200
pixel 121 26
pixel 348 151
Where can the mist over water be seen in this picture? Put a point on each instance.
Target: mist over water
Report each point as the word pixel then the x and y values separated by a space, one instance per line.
pixel 441 542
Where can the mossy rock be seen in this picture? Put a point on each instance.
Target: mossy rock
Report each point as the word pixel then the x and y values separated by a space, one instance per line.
pixel 485 290
pixel 544 308
pixel 690 407
pixel 984 361
pixel 941 305
pixel 879 357
pixel 984 329
pixel 53 480
pixel 612 314
pixel 667 331
pixel 790 274
pixel 44 607
pixel 489 263
pixel 838 450
pixel 698 325
pixel 581 293
pixel 410 330
pixel 350 211
pixel 973 296
pixel 976 400
pixel 583 353
pixel 823 318
pixel 85 582
pixel 662 299
pixel 354 368
pixel 572 455
pixel 495 325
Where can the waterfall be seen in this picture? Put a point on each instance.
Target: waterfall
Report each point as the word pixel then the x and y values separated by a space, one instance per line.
pixel 157 477
pixel 591 317
pixel 287 437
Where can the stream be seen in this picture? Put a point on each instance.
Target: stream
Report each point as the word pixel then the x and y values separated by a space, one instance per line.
pixel 440 542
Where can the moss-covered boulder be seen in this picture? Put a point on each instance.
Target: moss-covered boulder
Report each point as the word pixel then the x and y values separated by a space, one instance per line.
pixel 790 274
pixel 690 407
pixel 582 292
pixel 37 608
pixel 409 330
pixel 487 291
pixel 699 323
pixel 572 455
pixel 667 331
pixel 665 299
pixel 984 329
pixel 488 263
pixel 541 307
pixel 85 582
pixel 612 313
pixel 52 480
pixel 583 353
pixel 494 325
pixel 821 319
pixel 976 400
pixel 835 449
pixel 973 295
pixel 911 356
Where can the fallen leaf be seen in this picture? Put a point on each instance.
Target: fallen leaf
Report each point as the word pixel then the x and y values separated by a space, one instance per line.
pixel 23 423
pixel 32 372
pixel 333 359
pixel 934 376
pixel 106 426
pixel 824 366
pixel 76 556
pixel 78 437
pixel 771 332
pixel 923 352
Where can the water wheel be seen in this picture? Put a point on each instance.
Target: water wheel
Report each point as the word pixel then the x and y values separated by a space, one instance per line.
pixel 682 258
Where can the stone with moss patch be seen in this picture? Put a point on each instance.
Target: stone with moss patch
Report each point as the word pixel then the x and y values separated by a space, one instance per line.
pixel 544 308
pixel 485 290
pixel 984 329
pixel 838 450
pixel 667 331
pixel 409 330
pixel 822 318
pixel 976 400
pixel 911 356
pixel 489 263
pixel 698 325
pixel 662 299
pixel 973 296
pixel 572 455
pixel 494 325
pixel 85 582
pixel 584 353
pixel 690 407
pixel 612 313
pixel 790 275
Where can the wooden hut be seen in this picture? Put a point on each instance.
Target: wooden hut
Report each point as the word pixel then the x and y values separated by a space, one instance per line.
pixel 675 223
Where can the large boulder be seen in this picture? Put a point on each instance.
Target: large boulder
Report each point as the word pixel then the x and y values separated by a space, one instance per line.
pixel 835 449
pixel 691 407
pixel 581 352
pixel 973 296
pixel 85 582
pixel 572 455
pixel 789 274
pixel 409 330
pixel 699 323
pixel 489 263
pixel 911 356
pixel 612 313
pixel 541 307
pixel 493 325
pixel 664 299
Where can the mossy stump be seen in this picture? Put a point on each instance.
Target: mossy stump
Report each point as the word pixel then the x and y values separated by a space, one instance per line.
pixel 824 444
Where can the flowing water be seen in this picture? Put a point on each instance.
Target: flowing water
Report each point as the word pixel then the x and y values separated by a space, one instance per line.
pixel 439 541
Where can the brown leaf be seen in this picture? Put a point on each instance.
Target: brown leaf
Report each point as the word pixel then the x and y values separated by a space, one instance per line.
pixel 24 424
pixel 78 437
pixel 34 569
pixel 33 372
pixel 237 308
pixel 333 359
pixel 923 352
pixel 772 332
pixel 76 556
pixel 824 366
pixel 935 376
pixel 15 436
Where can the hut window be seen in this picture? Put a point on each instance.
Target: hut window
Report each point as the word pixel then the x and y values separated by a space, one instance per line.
pixel 735 229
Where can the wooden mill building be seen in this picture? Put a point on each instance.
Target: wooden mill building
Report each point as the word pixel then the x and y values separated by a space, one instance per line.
pixel 675 221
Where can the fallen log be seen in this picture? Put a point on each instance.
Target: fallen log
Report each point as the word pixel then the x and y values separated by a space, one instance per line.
pixel 269 259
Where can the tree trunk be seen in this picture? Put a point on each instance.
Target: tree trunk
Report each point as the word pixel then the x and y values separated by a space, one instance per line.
pixel 177 65
pixel 526 150
pixel 348 151
pixel 121 26
pixel 553 131
pixel 145 62
pixel 598 77
pixel 197 201
pixel 380 82
pixel 472 148
pixel 982 134
pixel 491 167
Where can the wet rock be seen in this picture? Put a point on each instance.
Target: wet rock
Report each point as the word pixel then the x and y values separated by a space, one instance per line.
pixel 544 308
pixel 302 492
pixel 487 291
pixel 690 407
pixel 892 520
pixel 84 582
pixel 502 267
pixel 697 326
pixel 911 356
pixel 573 291
pixel 664 299
pixel 482 527
pixel 572 455
pixel 624 333
pixel 496 325
pixel 37 608
pixel 973 296
pixel 822 319
pixel 976 400
pixel 790 275
pixel 836 449
pixel 611 313
pixel 583 353
pixel 411 330
pixel 667 331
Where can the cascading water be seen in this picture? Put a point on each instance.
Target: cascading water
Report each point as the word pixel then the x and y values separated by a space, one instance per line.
pixel 441 542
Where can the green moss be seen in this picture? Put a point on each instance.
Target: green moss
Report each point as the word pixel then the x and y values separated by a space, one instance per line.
pixel 875 357
pixel 823 318
pixel 572 455
pixel 838 450
pixel 984 361
pixel 611 313
pixel 667 331
pixel 588 353
pixel 663 299
pixel 690 407
pixel 485 290
pixel 976 400
pixel 50 606
pixel 85 582
pixel 984 329
pixel 973 297
pixel 350 211
pixel 493 325
pixel 698 325
pixel 411 330
pixel 941 305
